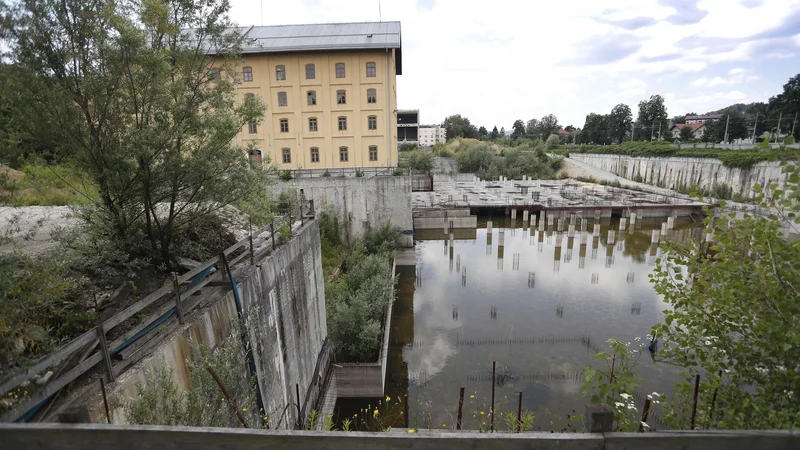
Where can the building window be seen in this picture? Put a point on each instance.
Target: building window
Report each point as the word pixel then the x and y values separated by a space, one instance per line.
pixel 370 69
pixel 314 155
pixel 312 97
pixel 255 156
pixel 248 73
pixel 372 96
pixel 343 154
pixel 287 155
pixel 312 124
pixel 284 125
pixel 373 153
pixel 342 123
pixel 280 73
pixel 339 70
pixel 311 72
pixel 252 127
pixel 372 122
pixel 341 98
pixel 215 74
pixel 282 101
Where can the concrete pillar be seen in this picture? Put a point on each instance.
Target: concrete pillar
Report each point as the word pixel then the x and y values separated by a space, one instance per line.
pixel 525 216
pixel 670 222
pixel 513 213
pixel 558 239
pixel 541 225
pixel 584 237
pixel 709 236
pixel 451 240
pixel 533 220
pixel 560 225
pixel 622 223
pixel 654 237
pixel 611 236
pixel 584 224
pixel 501 238
pixel 571 231
pixel 550 218
pixel 596 230
pixel 633 218
pixel 664 229
pixel 489 226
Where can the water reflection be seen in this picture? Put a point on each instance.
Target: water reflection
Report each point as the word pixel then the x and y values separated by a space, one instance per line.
pixel 546 316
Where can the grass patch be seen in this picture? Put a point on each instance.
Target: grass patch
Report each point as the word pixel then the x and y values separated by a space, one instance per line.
pixel 741 159
pixel 40 184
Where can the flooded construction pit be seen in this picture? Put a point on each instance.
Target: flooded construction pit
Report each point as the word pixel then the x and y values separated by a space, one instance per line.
pixel 537 301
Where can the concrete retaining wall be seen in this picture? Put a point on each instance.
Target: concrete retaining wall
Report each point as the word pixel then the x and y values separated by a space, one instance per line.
pixel 287 334
pixel 110 437
pixel 359 203
pixel 674 173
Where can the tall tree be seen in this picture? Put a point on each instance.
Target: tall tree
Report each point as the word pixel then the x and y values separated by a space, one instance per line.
pixel 652 116
pixel 457 126
pixel 737 128
pixel 548 125
pixel 788 103
pixel 532 129
pixel 502 131
pixel 619 122
pixel 494 134
pixel 482 132
pixel 569 128
pixel 595 130
pixel 132 95
pixel 518 129
pixel 686 133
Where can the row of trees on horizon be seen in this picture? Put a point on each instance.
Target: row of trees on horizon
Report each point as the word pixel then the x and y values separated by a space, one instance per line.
pixel 777 116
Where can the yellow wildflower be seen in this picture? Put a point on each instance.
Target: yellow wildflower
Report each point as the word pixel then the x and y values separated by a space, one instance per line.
pixel 411 430
pixel 471 396
pixel 444 425
pixel 244 409
pixel 388 398
pixel 481 412
pixel 375 413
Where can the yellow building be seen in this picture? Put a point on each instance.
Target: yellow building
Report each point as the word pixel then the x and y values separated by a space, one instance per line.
pixel 330 91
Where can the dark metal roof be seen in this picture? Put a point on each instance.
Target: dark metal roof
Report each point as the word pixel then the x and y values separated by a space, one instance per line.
pixel 323 37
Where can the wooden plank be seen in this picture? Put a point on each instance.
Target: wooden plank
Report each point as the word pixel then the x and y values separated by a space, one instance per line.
pixel 239 258
pixel 129 312
pixel 52 388
pixel 63 352
pixel 203 266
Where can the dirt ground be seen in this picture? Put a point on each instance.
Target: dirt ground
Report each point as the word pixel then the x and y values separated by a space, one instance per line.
pixel 30 228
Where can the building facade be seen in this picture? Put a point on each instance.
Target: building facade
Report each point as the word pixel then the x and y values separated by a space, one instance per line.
pixel 431 134
pixel 702 118
pixel 330 91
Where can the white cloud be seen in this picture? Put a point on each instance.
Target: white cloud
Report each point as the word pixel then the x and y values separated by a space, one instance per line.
pixel 505 60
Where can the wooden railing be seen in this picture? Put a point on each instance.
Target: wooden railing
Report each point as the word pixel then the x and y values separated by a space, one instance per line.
pixel 79 356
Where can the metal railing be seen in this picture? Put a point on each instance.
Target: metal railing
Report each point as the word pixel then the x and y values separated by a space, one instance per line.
pixel 343 172
pixel 175 299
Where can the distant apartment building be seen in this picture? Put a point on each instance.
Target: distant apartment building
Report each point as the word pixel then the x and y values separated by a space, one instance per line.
pixel 408 126
pixel 431 134
pixel 330 91
pixel 702 118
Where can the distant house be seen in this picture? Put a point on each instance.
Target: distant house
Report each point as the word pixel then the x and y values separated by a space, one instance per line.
pixel 698 129
pixel 703 118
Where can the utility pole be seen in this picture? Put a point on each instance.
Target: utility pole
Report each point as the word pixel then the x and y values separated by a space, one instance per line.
pixel 778 132
pixel 794 122
pixel 755 125
pixel 659 131
pixel 727 121
pixel 633 132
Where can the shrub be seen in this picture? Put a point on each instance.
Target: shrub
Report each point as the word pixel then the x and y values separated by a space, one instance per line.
pixel 764 143
pixel 398 172
pixel 286 175
pixel 552 142
pixel 789 140
pixel 42 305
pixel 420 160
pixel 407 147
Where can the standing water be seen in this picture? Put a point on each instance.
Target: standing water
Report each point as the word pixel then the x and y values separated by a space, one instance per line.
pixel 539 303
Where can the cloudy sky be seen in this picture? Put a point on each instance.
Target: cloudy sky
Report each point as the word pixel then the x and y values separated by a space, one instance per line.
pixel 500 60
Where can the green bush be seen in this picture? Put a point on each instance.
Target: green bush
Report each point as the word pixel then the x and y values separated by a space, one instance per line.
pixel 286 175
pixel 357 301
pixel 764 143
pixel 420 160
pixel 47 185
pixel 407 147
pixel 552 142
pixel 789 140
pixel 42 306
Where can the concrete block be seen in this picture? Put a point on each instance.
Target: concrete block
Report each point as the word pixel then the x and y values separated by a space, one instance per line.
pixel 598 419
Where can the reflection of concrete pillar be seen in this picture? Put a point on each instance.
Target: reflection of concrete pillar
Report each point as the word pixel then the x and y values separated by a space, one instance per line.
pixel 584 224
pixel 541 225
pixel 570 242
pixel 611 236
pixel 489 226
pixel 501 238
pixel 451 240
pixel 550 218
pixel 654 237
pixel 560 225
pixel 664 229
pixel 670 222
pixel 558 240
pixel 633 218
pixel 596 230
pixel 584 237
pixel 572 219
pixel 513 213
pixel 622 223
pixel 525 216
